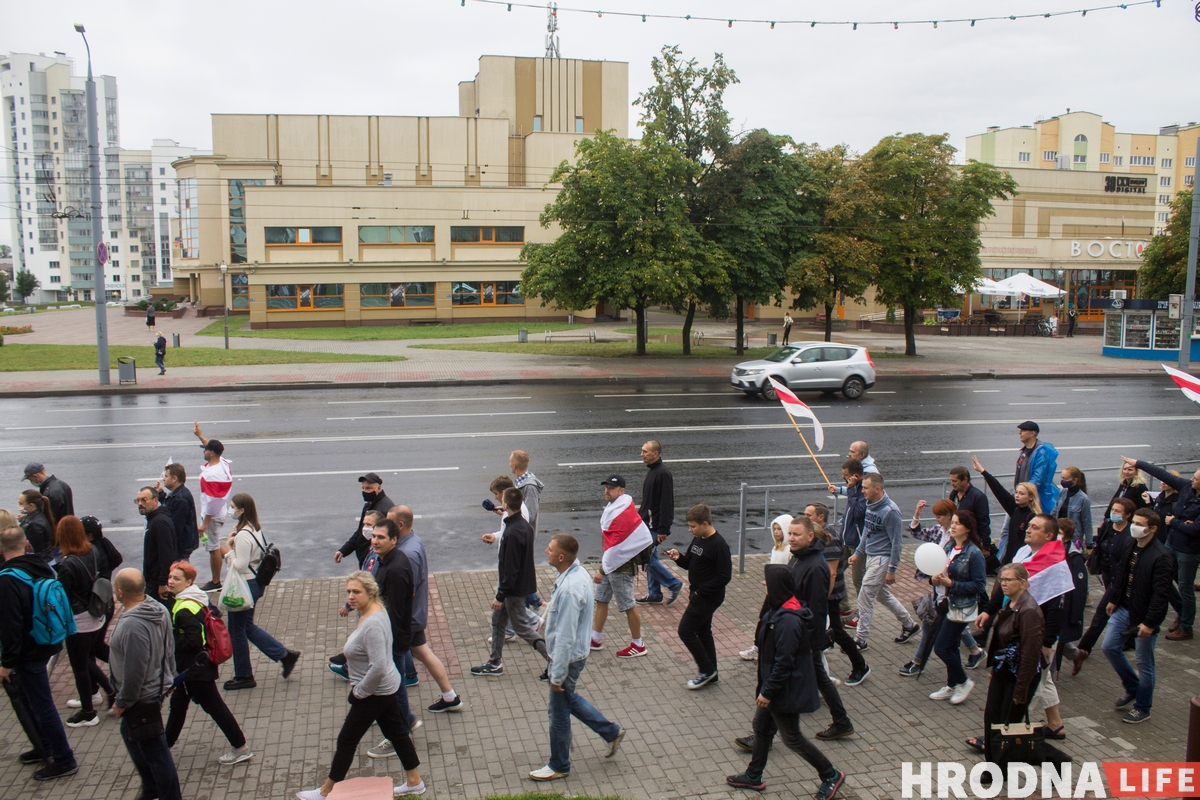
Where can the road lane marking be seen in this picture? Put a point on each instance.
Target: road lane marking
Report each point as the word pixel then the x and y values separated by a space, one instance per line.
pixel 107 529
pixel 1011 449
pixel 874 391
pixel 332 472
pixel 429 400
pixel 693 460
pixel 1057 403
pixel 986 391
pixel 121 425
pixel 771 407
pixel 1085 390
pixel 730 393
pixel 431 416
pixel 150 408
pixel 394 437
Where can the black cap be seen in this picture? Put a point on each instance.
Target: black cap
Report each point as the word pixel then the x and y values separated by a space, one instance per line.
pixel 33 468
pixel 613 480
pixel 213 445
pixel 92 527
pixel 370 477
pixel 1029 426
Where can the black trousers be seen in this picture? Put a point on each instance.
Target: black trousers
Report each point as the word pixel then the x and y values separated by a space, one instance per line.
pixel 1092 635
pixel 832 699
pixel 999 708
pixel 205 695
pixel 837 632
pixel 384 709
pixel 23 715
pixel 766 723
pixel 100 648
pixel 695 631
pixel 88 675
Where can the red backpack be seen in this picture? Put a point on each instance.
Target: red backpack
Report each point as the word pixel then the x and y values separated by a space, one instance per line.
pixel 217 643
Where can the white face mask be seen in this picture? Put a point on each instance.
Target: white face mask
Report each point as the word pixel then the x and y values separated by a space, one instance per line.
pixel 1138 531
pixel 367 530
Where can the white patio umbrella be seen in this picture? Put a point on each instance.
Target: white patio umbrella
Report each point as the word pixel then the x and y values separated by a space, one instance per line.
pixel 982 287
pixel 1019 284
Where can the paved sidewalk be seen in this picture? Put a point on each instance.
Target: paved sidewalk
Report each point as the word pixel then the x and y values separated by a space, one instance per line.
pixel 678 745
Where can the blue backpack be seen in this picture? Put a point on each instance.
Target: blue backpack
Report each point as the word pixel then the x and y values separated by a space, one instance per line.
pixel 52 618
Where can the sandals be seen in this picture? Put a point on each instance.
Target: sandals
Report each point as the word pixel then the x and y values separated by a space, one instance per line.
pixel 975 743
pixel 1054 733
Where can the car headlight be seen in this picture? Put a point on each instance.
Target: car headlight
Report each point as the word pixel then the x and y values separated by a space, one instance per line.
pixel 751 371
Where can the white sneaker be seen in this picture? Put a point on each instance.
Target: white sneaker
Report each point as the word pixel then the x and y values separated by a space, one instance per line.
pixel 942 693
pixel 384 749
pixel 311 794
pixel 404 788
pixel 961 692
pixel 97 699
pixel 615 743
pixel 750 654
pixel 835 681
pixel 235 757
pixel 546 774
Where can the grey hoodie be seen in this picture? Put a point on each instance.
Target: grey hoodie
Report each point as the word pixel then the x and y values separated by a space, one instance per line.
pixel 531 491
pixel 881 532
pixel 142 653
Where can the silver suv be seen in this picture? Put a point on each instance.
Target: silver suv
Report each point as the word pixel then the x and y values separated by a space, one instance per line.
pixel 812 366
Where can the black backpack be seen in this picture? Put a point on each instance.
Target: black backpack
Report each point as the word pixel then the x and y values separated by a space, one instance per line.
pixel 272 562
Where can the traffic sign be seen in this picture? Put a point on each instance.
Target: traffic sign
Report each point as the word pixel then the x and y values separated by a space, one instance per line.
pixel 102 253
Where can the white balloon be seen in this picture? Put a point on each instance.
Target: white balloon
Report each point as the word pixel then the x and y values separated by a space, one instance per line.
pixel 931 559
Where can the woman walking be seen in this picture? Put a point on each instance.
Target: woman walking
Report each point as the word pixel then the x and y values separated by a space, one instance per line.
pixel 1021 506
pixel 243 552
pixel 374 683
pixel 198 675
pixel 958 588
pixel 150 315
pixel 111 558
pixel 1112 538
pixel 37 520
pixel 1132 487
pixel 1074 504
pixel 79 566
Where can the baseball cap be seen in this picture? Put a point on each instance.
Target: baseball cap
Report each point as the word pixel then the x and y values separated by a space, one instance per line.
pixel 214 445
pixel 1029 426
pixel 613 480
pixel 33 468
pixel 370 477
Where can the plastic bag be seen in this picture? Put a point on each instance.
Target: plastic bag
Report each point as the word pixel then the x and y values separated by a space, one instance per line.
pixel 235 594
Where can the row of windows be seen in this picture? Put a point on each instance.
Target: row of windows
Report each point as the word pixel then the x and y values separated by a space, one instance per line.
pixel 318 235
pixel 1141 161
pixel 397 234
pixel 330 296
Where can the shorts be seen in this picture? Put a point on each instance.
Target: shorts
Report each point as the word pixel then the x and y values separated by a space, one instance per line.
pixel 215 539
pixel 1046 695
pixel 418 639
pixel 619 585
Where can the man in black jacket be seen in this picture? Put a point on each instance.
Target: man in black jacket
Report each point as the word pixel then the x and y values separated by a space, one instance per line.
pixel 395 578
pixel 158 548
pixel 710 568
pixel 969 498
pixel 62 500
pixel 374 499
pixel 23 661
pixel 517 580
pixel 181 506
pixel 657 510
pixel 1137 604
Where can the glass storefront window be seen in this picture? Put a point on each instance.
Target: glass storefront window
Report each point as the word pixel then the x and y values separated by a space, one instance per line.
pixel 321 235
pixel 240 288
pixel 396 295
pixel 504 234
pixel 1137 329
pixel 464 294
pixel 1112 329
pixel 303 297
pixel 1166 332
pixel 395 234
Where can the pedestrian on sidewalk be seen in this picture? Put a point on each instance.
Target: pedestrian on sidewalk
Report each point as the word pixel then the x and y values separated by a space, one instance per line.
pixel 158 545
pixel 851 533
pixel 531 492
pixel 1021 506
pixel 836 558
pixel 625 538
pixel 177 499
pixel 657 510
pixel 37 520
pixel 143 668
pixel 79 566
pixel 787 326
pixel 337 663
pixel 150 314
pixel 1037 463
pixel 959 587
pixel 786 688
pixel 374 499
pixel 567 638
pixel 779 555
pixel 243 551
pixel 497 487
pixel 880 547
pixel 1071 320
pixel 374 684
pixel 1074 503
pixel 968 497
pixel 111 558
pixel 710 568
pixel 216 481
pixel 62 499
pixel 160 353
pixel 1014 656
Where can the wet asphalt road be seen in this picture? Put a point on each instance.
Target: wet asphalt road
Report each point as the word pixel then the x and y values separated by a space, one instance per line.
pixel 299 453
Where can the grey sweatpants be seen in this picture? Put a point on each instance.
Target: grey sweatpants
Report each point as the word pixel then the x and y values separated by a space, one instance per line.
pixel 513 613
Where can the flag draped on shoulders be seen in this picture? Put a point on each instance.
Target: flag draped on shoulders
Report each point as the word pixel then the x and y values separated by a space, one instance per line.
pixel 1049 573
pixel 625 534
pixel 215 482
pixel 796 407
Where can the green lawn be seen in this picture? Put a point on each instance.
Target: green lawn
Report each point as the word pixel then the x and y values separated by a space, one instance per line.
pixel 602 349
pixel 30 357
pixel 385 332
pixel 654 331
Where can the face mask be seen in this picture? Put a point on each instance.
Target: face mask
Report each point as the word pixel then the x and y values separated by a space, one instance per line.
pixel 369 496
pixel 1116 518
pixel 367 531
pixel 1066 483
pixel 1138 531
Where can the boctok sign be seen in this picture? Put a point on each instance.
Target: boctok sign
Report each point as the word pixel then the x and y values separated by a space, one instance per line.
pixel 1114 248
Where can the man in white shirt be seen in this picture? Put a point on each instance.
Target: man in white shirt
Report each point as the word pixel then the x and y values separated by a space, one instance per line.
pixel 216 482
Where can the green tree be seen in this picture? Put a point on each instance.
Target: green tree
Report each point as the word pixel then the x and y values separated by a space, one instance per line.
pixel 626 238
pixel 926 221
pixel 3 286
pixel 1164 263
pixel 26 284
pixel 841 262
pixel 5 251
pixel 686 108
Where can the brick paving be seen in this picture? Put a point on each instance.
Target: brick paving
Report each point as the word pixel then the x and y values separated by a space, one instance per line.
pixel 678 744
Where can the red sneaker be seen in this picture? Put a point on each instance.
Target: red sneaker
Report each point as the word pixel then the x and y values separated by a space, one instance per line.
pixel 633 651
pixel 850 623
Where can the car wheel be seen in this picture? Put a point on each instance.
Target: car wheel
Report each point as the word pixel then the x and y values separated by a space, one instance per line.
pixel 768 391
pixel 853 388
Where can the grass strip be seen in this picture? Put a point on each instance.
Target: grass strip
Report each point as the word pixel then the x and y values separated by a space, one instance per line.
pixel 34 357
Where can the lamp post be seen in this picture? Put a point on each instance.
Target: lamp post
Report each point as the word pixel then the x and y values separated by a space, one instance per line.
pixel 225 300
pixel 97 224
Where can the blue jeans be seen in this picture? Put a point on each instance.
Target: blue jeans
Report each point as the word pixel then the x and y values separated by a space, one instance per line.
pixel 152 759
pixel 1183 596
pixel 567 704
pixel 402 661
pixel 33 687
pixel 658 576
pixel 243 631
pixel 1141 682
pixel 159 362
pixel 946 648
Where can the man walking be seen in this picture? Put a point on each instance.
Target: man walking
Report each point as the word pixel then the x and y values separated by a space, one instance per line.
pixel 394 576
pixel 374 499
pixel 216 481
pixel 625 537
pixel 880 549
pixel 142 652
pixel 517 579
pixel 528 483
pixel 968 497
pixel 859 450
pixel 23 659
pixel 158 547
pixel 852 523
pixel 710 568
pixel 1137 604
pixel 836 558
pixel 657 509
pixel 62 500
pixel 180 506
pixel 567 637
pixel 1037 463
pixel 160 353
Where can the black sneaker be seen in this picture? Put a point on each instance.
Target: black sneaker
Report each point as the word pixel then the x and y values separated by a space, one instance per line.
pixel 83 719
pixel 487 670
pixel 861 644
pixel 674 594
pixel 744 780
pixel 858 675
pixel 835 731
pixel 31 757
pixel 211 586
pixel 340 658
pixel 243 682
pixel 829 788
pixel 1136 716
pixel 907 633
pixel 747 743
pixel 545 676
pixel 975 659
pixel 289 662
pixel 650 600
pixel 1126 700
pixel 912 669
pixel 59 769
pixel 443 705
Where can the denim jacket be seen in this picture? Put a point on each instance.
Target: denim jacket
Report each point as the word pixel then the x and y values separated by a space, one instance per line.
pixel 569 621
pixel 968 570
pixel 1079 511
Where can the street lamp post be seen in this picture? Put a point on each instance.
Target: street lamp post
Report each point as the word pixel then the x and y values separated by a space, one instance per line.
pixel 97 224
pixel 225 299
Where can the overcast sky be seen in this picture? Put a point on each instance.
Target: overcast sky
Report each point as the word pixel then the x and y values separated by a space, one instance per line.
pixel 176 63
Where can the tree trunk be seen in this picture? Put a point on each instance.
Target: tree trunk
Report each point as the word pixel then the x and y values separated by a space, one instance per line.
pixel 641 327
pixel 741 326
pixel 910 336
pixel 687 327
pixel 828 322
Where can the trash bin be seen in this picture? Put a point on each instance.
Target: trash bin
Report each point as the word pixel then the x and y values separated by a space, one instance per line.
pixel 522 335
pixel 126 369
pixel 175 340
pixel 772 338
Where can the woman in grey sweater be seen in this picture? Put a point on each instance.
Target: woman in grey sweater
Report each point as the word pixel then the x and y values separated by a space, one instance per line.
pixel 374 682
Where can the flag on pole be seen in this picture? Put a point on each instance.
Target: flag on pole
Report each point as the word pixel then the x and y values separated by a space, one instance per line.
pixel 625 534
pixel 796 408
pixel 1189 385
pixel 1049 573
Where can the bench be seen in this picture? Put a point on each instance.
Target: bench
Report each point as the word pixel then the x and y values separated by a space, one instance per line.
pixel 571 336
pixel 730 340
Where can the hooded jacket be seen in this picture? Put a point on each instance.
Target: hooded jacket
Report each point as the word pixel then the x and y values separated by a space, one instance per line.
pixel 158 550
pixel 810 585
pixel 531 492
pixel 62 500
pixel 1183 534
pixel 658 499
pixel 881 532
pixel 517 576
pixel 182 507
pixel 187 616
pixel 142 653
pixel 357 543
pixel 16 613
pixel 785 664
pixel 1043 466
pixel 394 574
pixel 784 521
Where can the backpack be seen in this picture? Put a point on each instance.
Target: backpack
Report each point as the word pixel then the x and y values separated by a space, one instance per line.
pixel 100 600
pixel 217 643
pixel 272 562
pixel 52 618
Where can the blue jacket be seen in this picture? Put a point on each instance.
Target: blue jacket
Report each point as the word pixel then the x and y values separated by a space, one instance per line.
pixel 569 621
pixel 1183 534
pixel 1043 469
pixel 968 570
pixel 852 519
pixel 1079 511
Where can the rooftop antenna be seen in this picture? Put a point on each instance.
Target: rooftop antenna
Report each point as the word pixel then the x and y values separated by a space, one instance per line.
pixel 552 50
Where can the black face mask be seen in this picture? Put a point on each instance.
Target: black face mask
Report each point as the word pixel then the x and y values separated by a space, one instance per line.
pixel 369 496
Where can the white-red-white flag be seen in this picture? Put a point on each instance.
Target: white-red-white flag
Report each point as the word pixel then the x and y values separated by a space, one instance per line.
pixel 1049 572
pixel 1189 385
pixel 625 534
pixel 796 408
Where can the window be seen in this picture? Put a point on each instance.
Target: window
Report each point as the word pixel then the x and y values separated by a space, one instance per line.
pixel 537 123
pixel 1023 158
pixel 322 235
pixel 1164 199
pixel 395 234
pixel 488 235
pixel 133 248
pixel 304 297
pixel 1189 161
pixel 1079 159
pixel 134 277
pixel 1118 161
pixel 1049 155
pixel 1081 139
pixel 1189 180
pixel 189 219
pixel 487 293
pixel 1162 216
pixel 116 248
pixel 1105 158
pixel 240 289
pixel 53 265
pixel 579 124
pixel 137 292
pixel 396 295
pixel 116 263
pixel 237 218
pixel 1165 180
pixel 1166 163
pixel 162 201
pixel 162 171
pixel 56 279
pixel 1141 161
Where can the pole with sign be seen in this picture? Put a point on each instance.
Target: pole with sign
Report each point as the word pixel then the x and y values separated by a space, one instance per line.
pixel 1188 326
